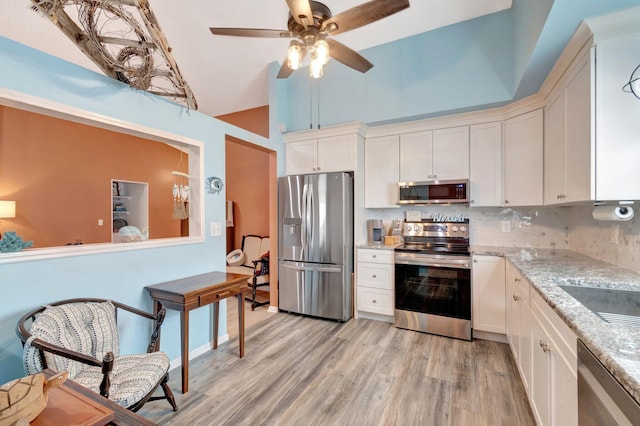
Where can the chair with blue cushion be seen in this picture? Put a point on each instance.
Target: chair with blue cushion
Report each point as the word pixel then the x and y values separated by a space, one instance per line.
pixel 81 336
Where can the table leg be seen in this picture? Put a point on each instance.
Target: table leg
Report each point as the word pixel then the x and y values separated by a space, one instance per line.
pixel 184 358
pixel 241 322
pixel 216 317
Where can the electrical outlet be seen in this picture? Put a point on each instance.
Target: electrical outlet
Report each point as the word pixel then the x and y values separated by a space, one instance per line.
pixel 505 226
pixel 100 222
pixel 615 234
pixel 216 229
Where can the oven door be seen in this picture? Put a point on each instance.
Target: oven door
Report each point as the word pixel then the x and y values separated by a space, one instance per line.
pixel 433 295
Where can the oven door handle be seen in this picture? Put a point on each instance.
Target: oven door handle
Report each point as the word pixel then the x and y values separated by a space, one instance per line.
pixel 459 264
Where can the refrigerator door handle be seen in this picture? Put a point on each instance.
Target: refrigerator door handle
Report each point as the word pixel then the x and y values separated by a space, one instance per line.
pixel 303 231
pixel 312 268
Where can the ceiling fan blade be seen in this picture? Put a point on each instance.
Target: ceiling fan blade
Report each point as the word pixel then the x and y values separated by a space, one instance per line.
pixel 285 71
pixel 363 14
pixel 301 12
pixel 251 32
pixel 348 56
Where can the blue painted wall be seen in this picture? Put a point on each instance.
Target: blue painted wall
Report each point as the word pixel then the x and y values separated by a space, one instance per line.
pixel 481 63
pixel 119 276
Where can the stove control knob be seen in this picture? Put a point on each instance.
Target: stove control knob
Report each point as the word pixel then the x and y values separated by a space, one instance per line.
pixel 409 227
pixel 454 228
pixel 463 229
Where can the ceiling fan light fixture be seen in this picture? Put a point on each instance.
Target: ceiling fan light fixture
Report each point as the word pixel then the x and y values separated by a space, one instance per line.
pixel 322 50
pixel 316 67
pixel 294 55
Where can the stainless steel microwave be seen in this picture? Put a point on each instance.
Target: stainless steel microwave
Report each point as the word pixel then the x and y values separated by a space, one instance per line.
pixel 433 192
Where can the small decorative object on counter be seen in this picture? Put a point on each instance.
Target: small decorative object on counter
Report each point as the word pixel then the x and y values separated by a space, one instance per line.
pixel 11 242
pixel 22 400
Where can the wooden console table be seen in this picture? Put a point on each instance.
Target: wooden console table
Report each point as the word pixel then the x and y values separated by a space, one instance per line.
pixel 189 293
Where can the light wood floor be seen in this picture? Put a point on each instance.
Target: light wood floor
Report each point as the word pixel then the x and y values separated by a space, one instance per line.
pixel 304 371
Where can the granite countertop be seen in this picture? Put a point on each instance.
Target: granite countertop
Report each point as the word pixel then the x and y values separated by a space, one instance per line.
pixel 616 346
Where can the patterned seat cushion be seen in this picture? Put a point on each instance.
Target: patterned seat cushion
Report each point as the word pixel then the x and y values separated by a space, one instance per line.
pixel 88 328
pixel 132 378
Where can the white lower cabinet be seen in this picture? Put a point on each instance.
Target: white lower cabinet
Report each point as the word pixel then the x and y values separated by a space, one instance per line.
pixel 374 275
pixel 544 349
pixel 488 289
pixel 554 380
pixel 519 322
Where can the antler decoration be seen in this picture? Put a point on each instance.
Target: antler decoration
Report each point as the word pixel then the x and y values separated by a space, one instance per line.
pixel 129 49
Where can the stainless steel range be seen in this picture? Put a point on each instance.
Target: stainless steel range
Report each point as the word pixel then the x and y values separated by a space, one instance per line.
pixel 433 278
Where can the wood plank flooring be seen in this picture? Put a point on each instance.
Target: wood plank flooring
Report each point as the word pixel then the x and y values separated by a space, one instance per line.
pixel 304 371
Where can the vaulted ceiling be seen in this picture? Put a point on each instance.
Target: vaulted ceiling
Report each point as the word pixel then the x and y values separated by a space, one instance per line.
pixel 229 74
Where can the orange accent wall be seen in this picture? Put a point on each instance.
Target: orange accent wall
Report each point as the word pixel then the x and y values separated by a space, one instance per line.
pixel 255 120
pixel 248 187
pixel 59 173
pixel 247 176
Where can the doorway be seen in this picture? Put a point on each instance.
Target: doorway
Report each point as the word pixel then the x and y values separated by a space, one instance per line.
pixel 251 183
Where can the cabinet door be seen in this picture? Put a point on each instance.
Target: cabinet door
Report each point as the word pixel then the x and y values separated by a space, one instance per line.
pixel 300 157
pixel 381 171
pixel 485 164
pixel 451 153
pixel 523 142
pixel 337 154
pixel 415 156
pixel 541 374
pixel 554 170
pixel 578 136
pixel 488 276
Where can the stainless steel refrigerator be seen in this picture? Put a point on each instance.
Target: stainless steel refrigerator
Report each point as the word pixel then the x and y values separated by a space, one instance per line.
pixel 315 244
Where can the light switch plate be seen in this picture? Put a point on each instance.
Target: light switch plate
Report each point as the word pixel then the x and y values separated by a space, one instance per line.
pixel 216 229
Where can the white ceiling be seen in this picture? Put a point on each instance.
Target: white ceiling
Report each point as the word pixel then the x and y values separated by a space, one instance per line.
pixel 229 74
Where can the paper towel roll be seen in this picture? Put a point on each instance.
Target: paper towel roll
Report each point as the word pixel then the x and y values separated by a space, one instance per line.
pixel 605 212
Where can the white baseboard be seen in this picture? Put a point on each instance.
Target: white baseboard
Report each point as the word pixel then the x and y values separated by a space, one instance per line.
pixel 176 363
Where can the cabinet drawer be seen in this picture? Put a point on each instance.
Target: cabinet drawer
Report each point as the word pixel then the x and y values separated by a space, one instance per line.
pixel 375 255
pixel 375 300
pixel 374 275
pixel 216 296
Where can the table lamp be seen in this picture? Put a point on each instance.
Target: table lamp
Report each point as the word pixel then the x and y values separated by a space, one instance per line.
pixel 7 210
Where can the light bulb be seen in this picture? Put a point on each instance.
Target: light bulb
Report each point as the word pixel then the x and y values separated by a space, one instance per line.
pixel 315 68
pixel 294 56
pixel 322 51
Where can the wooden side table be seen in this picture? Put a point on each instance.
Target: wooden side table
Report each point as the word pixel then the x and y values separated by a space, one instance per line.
pixel 192 292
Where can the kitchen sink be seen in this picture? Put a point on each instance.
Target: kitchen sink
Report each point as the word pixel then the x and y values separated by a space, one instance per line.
pixel 620 307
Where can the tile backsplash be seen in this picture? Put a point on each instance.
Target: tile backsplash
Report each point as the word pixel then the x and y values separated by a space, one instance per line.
pixel 542 227
pixel 613 242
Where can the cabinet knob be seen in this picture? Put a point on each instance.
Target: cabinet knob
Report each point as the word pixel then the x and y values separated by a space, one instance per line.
pixel 374 276
pixel 472 201
pixel 435 176
pixel 561 196
pixel 475 260
pixel 430 176
pixel 545 347
pixel 516 298
pixel 318 168
pixel 506 201
pixel 374 300
pixel 374 256
pixel 517 280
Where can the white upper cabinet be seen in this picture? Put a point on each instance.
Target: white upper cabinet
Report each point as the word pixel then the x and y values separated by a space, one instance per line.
pixel 330 154
pixel 381 171
pixel 592 127
pixel 522 166
pixel 567 156
pixel 415 156
pixel 451 153
pixel 441 154
pixel 485 166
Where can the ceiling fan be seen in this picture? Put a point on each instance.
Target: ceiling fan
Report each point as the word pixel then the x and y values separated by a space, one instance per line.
pixel 309 25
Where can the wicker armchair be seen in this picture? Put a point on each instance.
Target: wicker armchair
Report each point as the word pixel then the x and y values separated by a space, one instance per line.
pixel 81 336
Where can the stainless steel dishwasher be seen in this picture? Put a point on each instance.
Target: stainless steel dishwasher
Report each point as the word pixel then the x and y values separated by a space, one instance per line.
pixel 602 400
